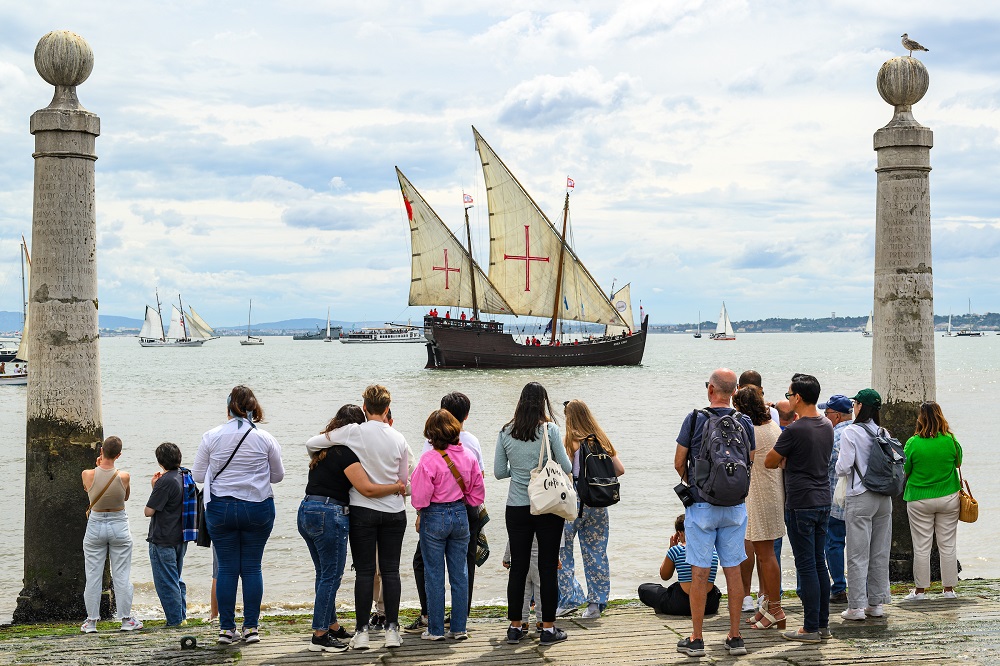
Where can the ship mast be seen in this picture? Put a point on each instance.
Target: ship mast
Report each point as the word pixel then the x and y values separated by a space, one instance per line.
pixel 24 296
pixel 184 327
pixel 163 336
pixel 559 272
pixel 472 270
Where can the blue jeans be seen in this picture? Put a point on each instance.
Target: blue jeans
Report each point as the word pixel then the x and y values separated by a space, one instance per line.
pixel 325 526
pixel 444 536
pixel 807 536
pixel 836 537
pixel 239 532
pixel 167 563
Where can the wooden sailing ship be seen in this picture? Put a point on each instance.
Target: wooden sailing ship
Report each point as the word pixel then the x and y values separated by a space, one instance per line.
pixel 532 272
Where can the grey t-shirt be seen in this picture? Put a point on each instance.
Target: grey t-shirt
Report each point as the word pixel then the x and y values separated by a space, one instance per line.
pixel 807 445
pixel 167 499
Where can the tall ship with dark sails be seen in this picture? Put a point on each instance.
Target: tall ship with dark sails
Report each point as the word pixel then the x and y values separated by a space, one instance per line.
pixel 532 272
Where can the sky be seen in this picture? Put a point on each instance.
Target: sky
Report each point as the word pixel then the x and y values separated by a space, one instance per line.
pixel 721 149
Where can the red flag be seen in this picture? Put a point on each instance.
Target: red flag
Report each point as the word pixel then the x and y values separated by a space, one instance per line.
pixel 466 198
pixel 570 183
pixel 409 208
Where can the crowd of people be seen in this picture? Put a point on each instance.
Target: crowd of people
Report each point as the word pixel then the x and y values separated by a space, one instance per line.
pixel 751 473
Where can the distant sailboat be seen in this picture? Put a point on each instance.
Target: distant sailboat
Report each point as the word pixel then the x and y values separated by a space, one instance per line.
pixel 948 333
pixel 868 326
pixel 190 331
pixel 698 334
pixel 724 329
pixel 328 338
pixel 14 371
pixel 968 332
pixel 251 340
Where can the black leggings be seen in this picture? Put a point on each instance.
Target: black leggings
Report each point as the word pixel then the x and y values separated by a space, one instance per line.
pixel 522 529
pixel 418 560
pixel 674 600
pixel 379 531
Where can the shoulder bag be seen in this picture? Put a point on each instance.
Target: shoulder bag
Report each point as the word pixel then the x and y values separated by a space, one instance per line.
pixel 101 494
pixel 551 489
pixel 482 545
pixel 204 538
pixel 968 507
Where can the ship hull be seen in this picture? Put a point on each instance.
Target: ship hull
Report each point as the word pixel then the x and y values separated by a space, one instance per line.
pixel 484 345
pixel 170 343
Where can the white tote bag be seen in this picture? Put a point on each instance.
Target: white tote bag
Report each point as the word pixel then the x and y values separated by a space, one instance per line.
pixel 551 489
pixel 840 492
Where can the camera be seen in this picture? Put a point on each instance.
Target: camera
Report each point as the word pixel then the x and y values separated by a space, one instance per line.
pixel 684 494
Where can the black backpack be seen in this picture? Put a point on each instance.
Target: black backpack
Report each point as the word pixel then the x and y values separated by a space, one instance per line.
pixel 885 474
pixel 598 484
pixel 722 466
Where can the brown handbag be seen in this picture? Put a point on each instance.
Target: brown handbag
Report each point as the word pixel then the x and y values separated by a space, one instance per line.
pixel 968 507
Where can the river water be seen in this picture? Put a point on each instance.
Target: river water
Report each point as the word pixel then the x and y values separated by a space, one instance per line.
pixel 156 395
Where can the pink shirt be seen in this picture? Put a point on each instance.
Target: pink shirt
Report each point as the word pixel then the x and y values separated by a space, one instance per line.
pixel 433 482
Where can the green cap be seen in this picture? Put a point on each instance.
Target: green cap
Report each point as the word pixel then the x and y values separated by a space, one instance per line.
pixel 868 397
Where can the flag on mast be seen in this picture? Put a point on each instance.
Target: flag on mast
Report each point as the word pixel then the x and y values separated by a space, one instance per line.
pixel 570 183
pixel 466 198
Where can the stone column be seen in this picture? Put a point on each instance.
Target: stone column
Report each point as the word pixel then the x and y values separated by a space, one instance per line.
pixel 64 381
pixel 903 340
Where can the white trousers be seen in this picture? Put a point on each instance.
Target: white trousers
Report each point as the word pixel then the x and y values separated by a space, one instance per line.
pixel 869 538
pixel 108 535
pixel 930 517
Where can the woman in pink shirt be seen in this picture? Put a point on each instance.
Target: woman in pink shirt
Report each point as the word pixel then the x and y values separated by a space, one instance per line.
pixel 444 481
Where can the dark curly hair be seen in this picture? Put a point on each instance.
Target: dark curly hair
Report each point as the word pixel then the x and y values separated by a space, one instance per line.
pixel 750 401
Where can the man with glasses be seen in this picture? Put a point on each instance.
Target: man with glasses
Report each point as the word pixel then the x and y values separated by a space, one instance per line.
pixel 840 411
pixel 804 447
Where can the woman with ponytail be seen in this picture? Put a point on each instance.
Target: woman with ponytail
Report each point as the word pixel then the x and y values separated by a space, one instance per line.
pixel 238 461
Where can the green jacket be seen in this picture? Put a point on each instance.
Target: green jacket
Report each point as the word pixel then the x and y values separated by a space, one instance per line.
pixel 931 467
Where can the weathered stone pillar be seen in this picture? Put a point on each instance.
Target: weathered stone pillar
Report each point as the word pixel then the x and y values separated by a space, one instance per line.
pixel 903 340
pixel 64 381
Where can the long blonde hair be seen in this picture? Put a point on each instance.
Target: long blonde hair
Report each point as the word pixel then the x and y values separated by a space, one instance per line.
pixel 580 423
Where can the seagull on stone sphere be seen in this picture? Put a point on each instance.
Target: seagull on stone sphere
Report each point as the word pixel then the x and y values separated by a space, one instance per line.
pixel 911 45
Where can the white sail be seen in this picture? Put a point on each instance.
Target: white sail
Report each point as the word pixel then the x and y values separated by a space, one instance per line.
pixel 868 326
pixel 176 329
pixel 622 300
pixel 328 323
pixel 197 328
pixel 725 327
pixel 22 346
pixel 525 251
pixel 152 327
pixel 441 264
pixel 949 323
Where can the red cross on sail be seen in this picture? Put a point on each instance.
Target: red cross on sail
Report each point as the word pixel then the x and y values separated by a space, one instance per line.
pixel 526 258
pixel 446 268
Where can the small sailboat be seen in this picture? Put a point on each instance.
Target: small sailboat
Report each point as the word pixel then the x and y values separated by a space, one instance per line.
pixel 14 370
pixel 698 334
pixel 190 331
pixel 948 333
pixel 868 326
pixel 724 329
pixel 968 332
pixel 251 340
pixel 328 338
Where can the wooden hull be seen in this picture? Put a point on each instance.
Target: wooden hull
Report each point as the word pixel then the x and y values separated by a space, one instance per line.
pixel 457 344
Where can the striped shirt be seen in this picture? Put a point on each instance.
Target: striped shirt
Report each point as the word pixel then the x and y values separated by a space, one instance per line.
pixel 678 555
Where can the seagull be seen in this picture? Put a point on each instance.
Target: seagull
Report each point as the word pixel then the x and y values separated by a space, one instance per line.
pixel 911 45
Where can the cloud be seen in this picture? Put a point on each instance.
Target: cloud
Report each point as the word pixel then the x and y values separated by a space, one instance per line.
pixel 550 100
pixel 324 214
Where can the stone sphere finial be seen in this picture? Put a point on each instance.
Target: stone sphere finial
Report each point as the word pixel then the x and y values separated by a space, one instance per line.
pixel 903 82
pixel 64 58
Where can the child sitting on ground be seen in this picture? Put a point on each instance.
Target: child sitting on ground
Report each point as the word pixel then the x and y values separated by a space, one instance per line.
pixel 674 600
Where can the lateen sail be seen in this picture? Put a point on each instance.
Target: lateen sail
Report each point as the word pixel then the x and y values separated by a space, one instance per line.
pixel 176 330
pixel 622 300
pixel 152 327
pixel 524 253
pixel 197 328
pixel 440 267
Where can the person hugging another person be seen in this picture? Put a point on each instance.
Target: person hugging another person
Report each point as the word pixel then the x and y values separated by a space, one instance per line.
pixel 676 600
pixel 167 547
pixel 445 482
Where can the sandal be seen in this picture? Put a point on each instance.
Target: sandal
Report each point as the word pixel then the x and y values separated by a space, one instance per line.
pixel 772 621
pixel 759 615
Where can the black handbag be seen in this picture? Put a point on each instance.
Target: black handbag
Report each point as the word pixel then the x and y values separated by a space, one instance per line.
pixel 204 538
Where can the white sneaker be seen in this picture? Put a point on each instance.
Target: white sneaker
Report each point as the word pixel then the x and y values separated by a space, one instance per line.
pixel 949 594
pixel 591 613
pixel 874 611
pixel 360 640
pixel 89 627
pixel 564 610
pixel 915 596
pixel 853 614
pixel 427 636
pixel 748 604
pixel 131 624
pixel 459 635
pixel 392 638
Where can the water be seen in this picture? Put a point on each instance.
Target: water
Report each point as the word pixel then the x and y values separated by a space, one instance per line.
pixel 156 395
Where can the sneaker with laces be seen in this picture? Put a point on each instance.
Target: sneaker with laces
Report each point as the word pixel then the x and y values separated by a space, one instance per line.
pixel 89 626
pixel 326 643
pixel 131 624
pixel 591 613
pixel 853 614
pixel 427 636
pixel 250 635
pixel 915 596
pixel 949 594
pixel 515 634
pixel 692 647
pixel 360 640
pixel 748 604
pixel 735 645
pixel 417 626
pixel 392 637
pixel 228 636
pixel 462 635
pixel 550 637
pixel 340 633
pixel 875 611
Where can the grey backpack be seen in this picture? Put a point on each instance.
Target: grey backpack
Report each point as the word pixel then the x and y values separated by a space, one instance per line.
pixel 885 474
pixel 722 466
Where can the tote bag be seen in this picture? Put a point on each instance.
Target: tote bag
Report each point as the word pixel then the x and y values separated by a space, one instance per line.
pixel 551 489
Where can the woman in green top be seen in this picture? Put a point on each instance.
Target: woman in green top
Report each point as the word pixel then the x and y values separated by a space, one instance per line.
pixel 933 457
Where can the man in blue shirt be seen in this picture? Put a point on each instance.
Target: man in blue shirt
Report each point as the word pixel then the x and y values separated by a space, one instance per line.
pixel 708 526
pixel 840 411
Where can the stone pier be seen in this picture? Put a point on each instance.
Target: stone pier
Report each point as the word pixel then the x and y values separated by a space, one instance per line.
pixel 903 339
pixel 64 381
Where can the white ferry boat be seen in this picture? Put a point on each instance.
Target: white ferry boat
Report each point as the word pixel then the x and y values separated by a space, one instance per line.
pixel 388 333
